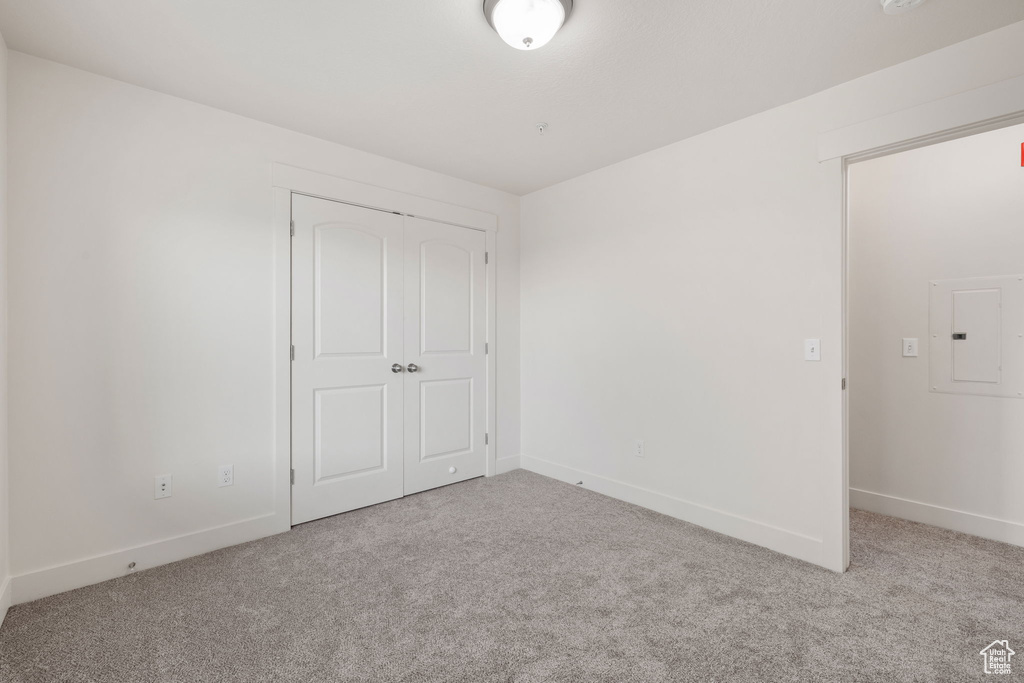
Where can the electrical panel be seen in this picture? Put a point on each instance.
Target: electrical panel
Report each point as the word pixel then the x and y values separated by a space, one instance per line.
pixel 976 336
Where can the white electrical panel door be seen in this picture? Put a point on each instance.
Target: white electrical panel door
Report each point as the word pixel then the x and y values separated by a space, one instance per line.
pixel 976 340
pixel 976 324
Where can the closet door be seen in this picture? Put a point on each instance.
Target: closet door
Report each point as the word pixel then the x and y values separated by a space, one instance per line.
pixel 347 374
pixel 446 365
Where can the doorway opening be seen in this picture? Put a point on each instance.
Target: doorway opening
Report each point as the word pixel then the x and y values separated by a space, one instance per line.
pixel 935 334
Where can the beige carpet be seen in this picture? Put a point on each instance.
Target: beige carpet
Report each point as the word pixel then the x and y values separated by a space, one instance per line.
pixel 522 578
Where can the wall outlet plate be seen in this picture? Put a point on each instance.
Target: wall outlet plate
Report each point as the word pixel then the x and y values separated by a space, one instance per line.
pixel 162 486
pixel 225 475
pixel 638 448
pixel 812 349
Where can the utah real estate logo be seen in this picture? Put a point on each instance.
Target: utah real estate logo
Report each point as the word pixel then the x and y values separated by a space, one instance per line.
pixel 997 657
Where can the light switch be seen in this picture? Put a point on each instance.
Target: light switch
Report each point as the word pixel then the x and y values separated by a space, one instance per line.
pixel 909 348
pixel 812 349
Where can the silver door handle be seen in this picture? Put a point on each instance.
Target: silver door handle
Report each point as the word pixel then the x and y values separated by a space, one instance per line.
pixel 413 367
pixel 396 368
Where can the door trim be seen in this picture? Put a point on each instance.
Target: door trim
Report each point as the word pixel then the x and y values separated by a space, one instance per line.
pixel 975 111
pixel 288 180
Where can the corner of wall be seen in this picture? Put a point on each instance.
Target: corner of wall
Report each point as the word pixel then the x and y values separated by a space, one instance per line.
pixel 5 565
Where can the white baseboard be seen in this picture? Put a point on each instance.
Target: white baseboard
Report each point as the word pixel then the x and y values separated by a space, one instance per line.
pixel 5 598
pixel 52 580
pixel 503 465
pixel 935 515
pixel 780 540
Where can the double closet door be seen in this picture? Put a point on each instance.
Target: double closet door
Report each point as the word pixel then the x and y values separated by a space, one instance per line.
pixel 389 371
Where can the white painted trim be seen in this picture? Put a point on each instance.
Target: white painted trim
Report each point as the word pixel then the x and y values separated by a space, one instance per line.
pixel 491 246
pixel 282 368
pixel 996 104
pixel 65 577
pixel 936 515
pixel 6 591
pixel 507 464
pixel 967 113
pixel 780 540
pixel 341 189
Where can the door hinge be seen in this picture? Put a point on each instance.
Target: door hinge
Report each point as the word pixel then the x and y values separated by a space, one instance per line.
pixel 293 477
pixel 487 438
pixel 293 228
pixel 844 384
pixel 293 351
pixel 487 348
pixel 487 257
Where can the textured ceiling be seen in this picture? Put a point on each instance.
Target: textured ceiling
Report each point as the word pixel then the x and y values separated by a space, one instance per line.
pixel 427 81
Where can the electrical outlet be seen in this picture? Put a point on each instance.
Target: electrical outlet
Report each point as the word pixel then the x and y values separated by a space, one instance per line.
pixel 638 448
pixel 225 475
pixel 162 486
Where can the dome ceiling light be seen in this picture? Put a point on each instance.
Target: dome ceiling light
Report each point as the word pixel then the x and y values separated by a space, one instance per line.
pixel 527 24
pixel 899 6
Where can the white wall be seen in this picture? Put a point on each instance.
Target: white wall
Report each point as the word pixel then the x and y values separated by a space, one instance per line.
pixel 5 587
pixel 947 211
pixel 142 318
pixel 667 297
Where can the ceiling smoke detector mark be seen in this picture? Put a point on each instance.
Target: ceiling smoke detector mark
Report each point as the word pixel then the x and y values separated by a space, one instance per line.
pixel 541 128
pixel 900 6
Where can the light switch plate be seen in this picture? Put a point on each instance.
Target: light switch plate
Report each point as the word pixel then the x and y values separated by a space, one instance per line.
pixel 812 349
pixel 909 347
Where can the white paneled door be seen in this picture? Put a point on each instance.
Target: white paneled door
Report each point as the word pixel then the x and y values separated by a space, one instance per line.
pixel 389 371
pixel 446 371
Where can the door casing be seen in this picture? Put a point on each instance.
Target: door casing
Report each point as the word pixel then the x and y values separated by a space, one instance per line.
pixel 987 108
pixel 289 180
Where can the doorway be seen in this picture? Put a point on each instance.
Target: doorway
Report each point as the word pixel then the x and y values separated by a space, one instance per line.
pixel 389 356
pixel 935 333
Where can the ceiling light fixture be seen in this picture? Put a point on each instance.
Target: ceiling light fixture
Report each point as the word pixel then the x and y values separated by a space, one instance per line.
pixel 527 24
pixel 899 6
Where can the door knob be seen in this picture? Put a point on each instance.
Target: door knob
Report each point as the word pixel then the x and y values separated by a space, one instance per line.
pixel 396 368
pixel 413 367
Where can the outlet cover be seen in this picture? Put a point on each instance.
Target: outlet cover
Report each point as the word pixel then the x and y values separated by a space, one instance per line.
pixel 638 448
pixel 225 475
pixel 162 486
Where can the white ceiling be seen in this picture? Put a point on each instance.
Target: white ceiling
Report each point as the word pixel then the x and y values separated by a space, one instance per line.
pixel 427 81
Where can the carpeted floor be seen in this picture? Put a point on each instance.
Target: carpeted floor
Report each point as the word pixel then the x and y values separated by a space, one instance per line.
pixel 522 578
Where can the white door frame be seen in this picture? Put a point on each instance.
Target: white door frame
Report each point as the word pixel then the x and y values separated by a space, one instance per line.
pixel 290 179
pixel 988 108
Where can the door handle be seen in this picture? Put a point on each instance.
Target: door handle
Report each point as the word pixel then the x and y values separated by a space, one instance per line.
pixel 396 368
pixel 413 367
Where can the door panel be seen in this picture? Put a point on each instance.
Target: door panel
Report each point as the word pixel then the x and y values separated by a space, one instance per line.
pixel 446 298
pixel 446 411
pixel 445 329
pixel 347 329
pixel 350 431
pixel 348 260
